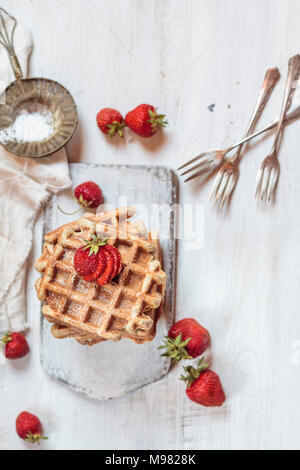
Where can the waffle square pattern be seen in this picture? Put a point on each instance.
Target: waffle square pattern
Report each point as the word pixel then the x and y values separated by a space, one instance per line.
pixel 128 307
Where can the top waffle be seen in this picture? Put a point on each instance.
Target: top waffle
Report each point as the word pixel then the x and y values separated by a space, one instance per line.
pixel 117 309
pixel 61 331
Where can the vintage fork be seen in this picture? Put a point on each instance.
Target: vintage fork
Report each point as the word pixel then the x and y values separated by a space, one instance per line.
pixel 228 174
pixel 210 159
pixel 268 173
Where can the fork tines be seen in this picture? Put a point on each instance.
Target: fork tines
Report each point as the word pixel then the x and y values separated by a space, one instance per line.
pixel 222 188
pixel 205 164
pixel 267 179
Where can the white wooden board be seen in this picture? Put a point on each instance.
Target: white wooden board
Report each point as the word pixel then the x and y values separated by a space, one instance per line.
pixel 109 370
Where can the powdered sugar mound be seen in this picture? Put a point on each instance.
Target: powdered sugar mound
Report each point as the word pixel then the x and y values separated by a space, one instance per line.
pixel 33 125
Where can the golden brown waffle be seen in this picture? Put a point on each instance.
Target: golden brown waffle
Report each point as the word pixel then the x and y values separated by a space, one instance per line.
pixel 120 309
pixel 62 332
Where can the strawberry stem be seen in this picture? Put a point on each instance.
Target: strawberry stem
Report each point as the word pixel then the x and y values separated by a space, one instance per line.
pixel 68 213
pixel 115 128
pixel 175 348
pixel 94 244
pixel 81 201
pixel 35 438
pixel 6 338
pixel 157 120
pixel 193 373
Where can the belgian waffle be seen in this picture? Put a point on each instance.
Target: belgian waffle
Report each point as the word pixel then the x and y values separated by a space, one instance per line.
pixel 62 332
pixel 124 308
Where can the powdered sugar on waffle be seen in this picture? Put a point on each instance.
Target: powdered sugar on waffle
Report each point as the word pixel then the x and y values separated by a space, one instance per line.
pixel 138 287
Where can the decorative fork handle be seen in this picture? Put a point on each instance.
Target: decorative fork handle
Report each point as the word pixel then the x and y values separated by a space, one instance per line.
pixel 291 83
pixel 271 78
pixel 292 116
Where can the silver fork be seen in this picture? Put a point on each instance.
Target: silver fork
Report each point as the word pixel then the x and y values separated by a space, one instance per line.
pixel 268 172
pixel 210 159
pixel 228 174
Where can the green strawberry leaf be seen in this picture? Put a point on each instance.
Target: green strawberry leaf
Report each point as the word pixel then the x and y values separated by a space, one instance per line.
pixel 94 244
pixel 193 373
pixel 157 120
pixel 175 348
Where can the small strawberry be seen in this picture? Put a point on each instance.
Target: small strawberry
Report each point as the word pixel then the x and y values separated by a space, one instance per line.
pixel 16 345
pixel 204 385
pixel 110 122
pixel 89 194
pixel 186 339
pixel 86 258
pixel 144 120
pixel 29 427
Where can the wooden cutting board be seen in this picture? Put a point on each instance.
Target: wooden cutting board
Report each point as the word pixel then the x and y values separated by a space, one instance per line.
pixel 109 370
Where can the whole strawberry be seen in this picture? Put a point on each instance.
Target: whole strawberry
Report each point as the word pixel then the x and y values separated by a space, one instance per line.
pixel 110 122
pixel 89 194
pixel 16 345
pixel 144 120
pixel 29 427
pixel 204 385
pixel 186 339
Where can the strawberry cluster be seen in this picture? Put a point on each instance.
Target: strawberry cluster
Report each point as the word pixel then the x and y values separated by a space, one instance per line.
pixel 98 261
pixel 186 340
pixel 144 120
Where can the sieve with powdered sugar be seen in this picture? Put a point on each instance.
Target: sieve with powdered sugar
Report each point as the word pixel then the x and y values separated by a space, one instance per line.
pixel 37 116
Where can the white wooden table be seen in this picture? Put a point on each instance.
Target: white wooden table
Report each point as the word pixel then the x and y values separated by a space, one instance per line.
pixel 243 285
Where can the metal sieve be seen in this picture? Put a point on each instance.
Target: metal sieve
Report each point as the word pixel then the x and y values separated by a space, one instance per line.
pixel 29 94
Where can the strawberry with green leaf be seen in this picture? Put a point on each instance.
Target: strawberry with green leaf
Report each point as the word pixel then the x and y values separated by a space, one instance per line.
pixel 110 122
pixel 97 261
pixel 186 339
pixel 88 195
pixel 29 427
pixel 15 345
pixel 86 258
pixel 203 385
pixel 176 348
pixel 145 121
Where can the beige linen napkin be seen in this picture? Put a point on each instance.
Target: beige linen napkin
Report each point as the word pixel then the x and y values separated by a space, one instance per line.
pixel 25 185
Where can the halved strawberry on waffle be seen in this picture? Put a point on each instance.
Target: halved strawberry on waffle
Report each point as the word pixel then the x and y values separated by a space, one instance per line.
pixel 101 265
pixel 117 260
pixel 98 261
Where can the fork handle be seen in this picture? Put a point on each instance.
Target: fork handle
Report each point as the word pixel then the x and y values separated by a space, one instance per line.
pixel 293 76
pixel 292 116
pixel 271 78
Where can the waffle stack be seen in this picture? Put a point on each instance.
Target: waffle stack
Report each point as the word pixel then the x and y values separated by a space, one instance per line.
pixel 129 307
